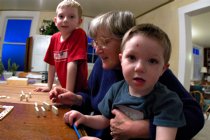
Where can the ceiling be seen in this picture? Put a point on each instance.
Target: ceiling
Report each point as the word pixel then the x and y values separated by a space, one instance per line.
pixel 201 29
pixel 91 8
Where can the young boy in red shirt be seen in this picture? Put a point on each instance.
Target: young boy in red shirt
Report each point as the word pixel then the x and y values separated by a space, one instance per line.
pixel 67 52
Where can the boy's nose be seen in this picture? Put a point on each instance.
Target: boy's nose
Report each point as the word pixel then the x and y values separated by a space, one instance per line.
pixel 140 67
pixel 65 19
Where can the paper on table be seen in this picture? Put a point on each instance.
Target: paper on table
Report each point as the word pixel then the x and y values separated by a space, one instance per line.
pixel 34 76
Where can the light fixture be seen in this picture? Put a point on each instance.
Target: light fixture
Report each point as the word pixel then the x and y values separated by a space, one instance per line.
pixel 203 70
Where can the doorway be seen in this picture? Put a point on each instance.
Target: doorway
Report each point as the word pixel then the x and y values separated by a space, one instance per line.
pixel 185 39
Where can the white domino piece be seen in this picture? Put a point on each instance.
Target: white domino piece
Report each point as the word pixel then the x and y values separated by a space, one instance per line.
pixel 55 110
pixel 35 104
pixel 36 111
pixel 27 98
pixel 29 95
pixel 46 106
pixel 7 110
pixel 43 111
pixel 3 97
pixel 21 97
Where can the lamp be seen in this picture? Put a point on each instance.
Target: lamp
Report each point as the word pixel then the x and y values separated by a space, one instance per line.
pixel 203 70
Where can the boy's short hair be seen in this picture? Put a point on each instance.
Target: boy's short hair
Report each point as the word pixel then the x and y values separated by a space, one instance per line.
pixel 150 31
pixel 70 3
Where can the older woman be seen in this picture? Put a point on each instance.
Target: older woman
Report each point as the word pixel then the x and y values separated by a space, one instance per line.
pixel 107 31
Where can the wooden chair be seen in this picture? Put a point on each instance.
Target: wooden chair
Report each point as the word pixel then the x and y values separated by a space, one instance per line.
pixel 204 103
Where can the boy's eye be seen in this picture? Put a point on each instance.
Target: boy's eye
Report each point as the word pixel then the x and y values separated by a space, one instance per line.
pixel 131 57
pixel 153 61
pixel 60 16
pixel 71 17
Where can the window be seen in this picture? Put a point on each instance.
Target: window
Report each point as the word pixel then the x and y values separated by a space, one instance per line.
pixel 16 33
pixel 8 40
pixel 91 52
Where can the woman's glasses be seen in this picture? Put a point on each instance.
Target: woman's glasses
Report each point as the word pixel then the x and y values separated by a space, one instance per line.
pixel 102 42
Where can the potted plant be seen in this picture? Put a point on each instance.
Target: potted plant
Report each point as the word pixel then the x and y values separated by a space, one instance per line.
pixel 12 67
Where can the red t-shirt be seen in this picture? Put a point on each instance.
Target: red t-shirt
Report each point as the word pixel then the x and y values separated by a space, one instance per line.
pixel 74 48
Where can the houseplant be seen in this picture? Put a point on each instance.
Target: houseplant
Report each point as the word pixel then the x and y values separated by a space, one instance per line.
pixel 12 67
pixel 48 27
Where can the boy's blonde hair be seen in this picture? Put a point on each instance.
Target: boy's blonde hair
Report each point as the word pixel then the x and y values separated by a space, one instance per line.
pixel 70 3
pixel 153 32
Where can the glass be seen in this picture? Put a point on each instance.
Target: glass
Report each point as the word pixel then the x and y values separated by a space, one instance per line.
pixel 102 42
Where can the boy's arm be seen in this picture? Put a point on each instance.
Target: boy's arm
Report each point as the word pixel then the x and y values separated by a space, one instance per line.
pixel 71 76
pixel 51 76
pixel 96 121
pixel 166 133
pixel 77 118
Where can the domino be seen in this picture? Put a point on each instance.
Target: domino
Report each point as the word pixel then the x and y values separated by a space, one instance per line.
pixel 21 97
pixel 55 110
pixel 46 106
pixel 37 111
pixel 35 104
pixel 3 97
pixel 22 92
pixel 27 97
pixel 43 111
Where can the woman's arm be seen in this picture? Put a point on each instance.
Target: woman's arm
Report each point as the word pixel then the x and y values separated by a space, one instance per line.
pixel 192 111
pixel 123 127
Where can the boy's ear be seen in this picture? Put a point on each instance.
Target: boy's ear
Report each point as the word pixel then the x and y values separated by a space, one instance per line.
pixel 80 21
pixel 120 56
pixel 55 21
pixel 165 67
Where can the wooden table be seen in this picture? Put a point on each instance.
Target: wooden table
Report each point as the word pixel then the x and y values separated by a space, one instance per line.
pixel 23 124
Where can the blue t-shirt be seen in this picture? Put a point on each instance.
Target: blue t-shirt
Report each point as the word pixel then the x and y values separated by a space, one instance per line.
pixel 161 104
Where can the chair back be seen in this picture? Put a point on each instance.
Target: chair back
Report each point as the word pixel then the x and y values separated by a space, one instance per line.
pixel 198 96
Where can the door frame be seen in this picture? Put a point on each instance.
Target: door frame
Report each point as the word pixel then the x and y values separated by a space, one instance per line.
pixel 185 38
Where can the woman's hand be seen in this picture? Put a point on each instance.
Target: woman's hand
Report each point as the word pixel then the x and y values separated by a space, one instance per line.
pixel 123 127
pixel 61 95
pixel 42 89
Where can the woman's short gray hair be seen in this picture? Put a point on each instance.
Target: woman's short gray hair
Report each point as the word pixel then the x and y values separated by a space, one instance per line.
pixel 116 23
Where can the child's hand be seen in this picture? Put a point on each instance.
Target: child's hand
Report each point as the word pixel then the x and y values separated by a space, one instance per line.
pixel 74 117
pixel 42 89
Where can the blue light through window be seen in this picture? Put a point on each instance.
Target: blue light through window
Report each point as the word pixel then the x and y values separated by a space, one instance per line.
pixel 16 34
